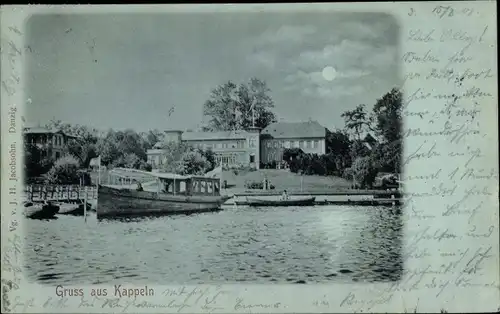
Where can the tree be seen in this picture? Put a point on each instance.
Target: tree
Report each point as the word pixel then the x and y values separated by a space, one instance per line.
pixel 128 160
pixel 107 149
pixel 116 144
pixel 210 157
pixel 152 137
pixel 338 145
pixel 37 161
pixel 387 115
pixel 82 149
pixel 356 121
pixel 230 106
pixel 182 158
pixel 387 156
pixel 193 162
pixel 358 149
pixel 64 171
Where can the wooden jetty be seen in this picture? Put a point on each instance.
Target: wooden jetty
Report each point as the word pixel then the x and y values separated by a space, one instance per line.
pixel 59 193
pixel 72 200
pixel 347 197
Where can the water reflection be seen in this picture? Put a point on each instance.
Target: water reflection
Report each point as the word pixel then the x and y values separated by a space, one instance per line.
pixel 273 245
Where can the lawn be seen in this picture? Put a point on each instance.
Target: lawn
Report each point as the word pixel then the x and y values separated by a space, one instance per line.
pixel 284 180
pixel 281 179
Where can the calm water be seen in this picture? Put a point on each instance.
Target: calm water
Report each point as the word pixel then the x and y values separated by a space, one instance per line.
pixel 269 245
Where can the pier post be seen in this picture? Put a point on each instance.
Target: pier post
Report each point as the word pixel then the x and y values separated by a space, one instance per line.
pixel 85 204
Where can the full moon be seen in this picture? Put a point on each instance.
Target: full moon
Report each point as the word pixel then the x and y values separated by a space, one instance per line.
pixel 329 73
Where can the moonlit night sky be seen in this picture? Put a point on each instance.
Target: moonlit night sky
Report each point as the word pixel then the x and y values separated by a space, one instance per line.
pixel 129 70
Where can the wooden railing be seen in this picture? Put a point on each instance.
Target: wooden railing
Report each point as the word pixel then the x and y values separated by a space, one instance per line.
pixel 41 192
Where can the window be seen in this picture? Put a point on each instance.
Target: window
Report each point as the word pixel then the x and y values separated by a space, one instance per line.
pixel 316 144
pixel 58 155
pixel 296 144
pixel 269 144
pixel 275 144
pixel 301 144
pixel 252 142
pixel 309 144
pixel 287 144
pixel 252 158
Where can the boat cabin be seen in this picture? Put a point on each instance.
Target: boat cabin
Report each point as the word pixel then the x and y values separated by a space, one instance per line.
pixel 166 183
pixel 187 185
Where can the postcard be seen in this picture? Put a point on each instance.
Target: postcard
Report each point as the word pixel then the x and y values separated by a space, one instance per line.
pixel 250 158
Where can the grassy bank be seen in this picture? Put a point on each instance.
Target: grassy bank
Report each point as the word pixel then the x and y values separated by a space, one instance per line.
pixel 283 180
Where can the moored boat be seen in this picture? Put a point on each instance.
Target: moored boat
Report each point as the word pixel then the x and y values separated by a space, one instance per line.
pixel 40 210
pixel 303 201
pixel 73 209
pixel 175 194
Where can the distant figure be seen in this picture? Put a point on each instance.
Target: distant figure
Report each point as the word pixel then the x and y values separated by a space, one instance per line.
pixel 139 186
pixel 284 196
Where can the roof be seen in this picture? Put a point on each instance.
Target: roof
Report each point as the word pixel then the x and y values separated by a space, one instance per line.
pixel 295 130
pixel 38 130
pixel 42 130
pixel 193 136
pixel 162 175
pixel 172 131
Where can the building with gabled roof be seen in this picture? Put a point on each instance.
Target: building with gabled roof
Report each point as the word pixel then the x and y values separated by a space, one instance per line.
pixel 250 147
pixel 308 136
pixel 51 142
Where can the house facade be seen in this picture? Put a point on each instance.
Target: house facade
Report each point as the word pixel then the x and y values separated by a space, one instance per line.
pixel 231 148
pixel 276 137
pixel 51 142
pixel 155 155
pixel 251 147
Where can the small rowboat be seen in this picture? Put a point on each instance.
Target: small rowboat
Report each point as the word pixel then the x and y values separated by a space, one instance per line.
pixel 40 210
pixel 303 201
pixel 73 209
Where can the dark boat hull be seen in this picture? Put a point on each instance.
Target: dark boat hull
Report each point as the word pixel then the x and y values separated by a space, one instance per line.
pixel 125 202
pixel 40 211
pixel 309 201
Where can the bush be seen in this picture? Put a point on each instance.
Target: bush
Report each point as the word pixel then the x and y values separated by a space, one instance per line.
pixel 363 172
pixel 292 153
pixel 145 166
pixel 257 185
pixel 194 162
pixel 34 164
pixel 131 161
pixel 64 171
pixel 84 178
